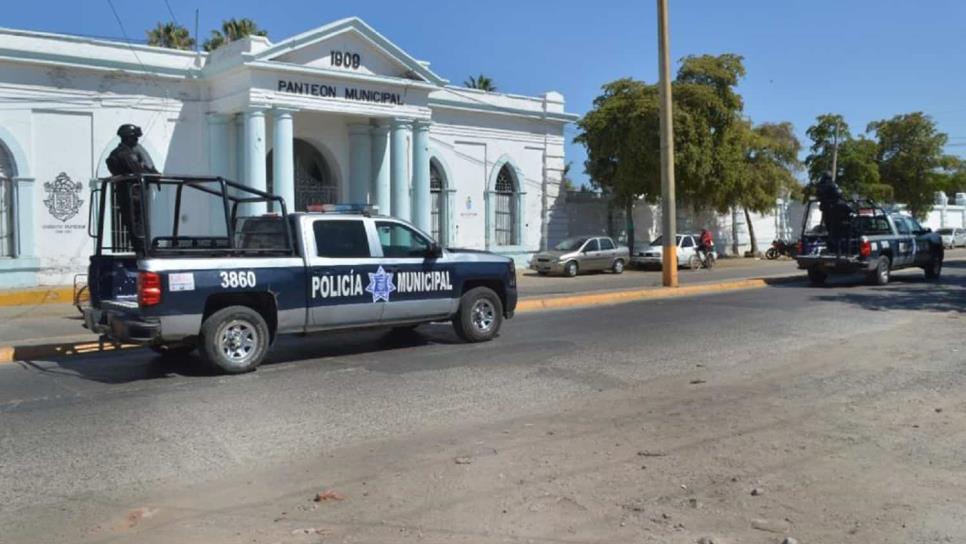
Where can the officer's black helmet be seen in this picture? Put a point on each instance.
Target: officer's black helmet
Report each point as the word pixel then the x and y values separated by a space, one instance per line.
pixel 129 130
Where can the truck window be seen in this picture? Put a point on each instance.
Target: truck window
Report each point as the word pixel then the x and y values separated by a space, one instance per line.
pixel 872 226
pixel 398 240
pixel 687 242
pixel 341 239
pixel 606 243
pixel 902 225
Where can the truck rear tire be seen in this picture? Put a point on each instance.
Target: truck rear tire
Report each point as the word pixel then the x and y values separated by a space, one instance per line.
pixel 816 276
pixel 234 339
pixel 880 276
pixel 479 316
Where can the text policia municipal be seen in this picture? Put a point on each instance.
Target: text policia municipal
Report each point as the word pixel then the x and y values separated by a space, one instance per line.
pixel 331 91
pixel 348 285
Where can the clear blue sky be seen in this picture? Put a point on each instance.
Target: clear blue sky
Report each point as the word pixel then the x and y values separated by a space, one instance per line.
pixel 865 59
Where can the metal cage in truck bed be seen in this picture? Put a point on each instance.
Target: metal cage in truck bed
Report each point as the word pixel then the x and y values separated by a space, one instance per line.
pixel 234 220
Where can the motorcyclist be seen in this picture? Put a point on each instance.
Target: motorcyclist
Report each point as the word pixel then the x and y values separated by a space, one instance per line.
pixel 127 159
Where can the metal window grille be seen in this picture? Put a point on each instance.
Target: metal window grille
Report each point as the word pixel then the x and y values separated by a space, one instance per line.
pixel 436 200
pixel 7 247
pixel 505 208
pixel 7 195
pixel 313 179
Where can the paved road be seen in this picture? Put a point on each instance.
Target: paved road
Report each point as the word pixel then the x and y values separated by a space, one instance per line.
pixel 87 437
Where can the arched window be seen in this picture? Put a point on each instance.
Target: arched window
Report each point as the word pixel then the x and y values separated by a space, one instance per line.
pixel 314 182
pixel 8 171
pixel 506 214
pixel 437 201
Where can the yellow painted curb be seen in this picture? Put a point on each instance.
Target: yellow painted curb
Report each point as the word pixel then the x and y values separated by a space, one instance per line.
pixel 616 297
pixel 32 297
pixel 9 354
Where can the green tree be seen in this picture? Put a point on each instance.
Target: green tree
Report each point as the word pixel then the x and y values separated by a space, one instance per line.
pixel 622 139
pixel 566 183
pixel 480 82
pixel 769 166
pixel 910 153
pixel 171 36
pixel 232 30
pixel 823 136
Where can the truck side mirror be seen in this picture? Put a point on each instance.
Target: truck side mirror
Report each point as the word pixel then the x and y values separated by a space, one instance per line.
pixel 435 251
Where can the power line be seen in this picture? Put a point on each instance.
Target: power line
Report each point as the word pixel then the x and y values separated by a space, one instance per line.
pixel 124 33
pixel 171 12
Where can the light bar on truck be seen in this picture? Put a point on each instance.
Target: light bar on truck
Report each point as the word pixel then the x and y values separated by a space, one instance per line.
pixel 364 209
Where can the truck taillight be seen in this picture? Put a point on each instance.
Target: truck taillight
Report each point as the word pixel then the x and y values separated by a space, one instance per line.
pixel 149 288
pixel 865 248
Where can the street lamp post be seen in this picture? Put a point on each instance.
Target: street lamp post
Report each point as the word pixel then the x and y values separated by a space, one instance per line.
pixel 668 210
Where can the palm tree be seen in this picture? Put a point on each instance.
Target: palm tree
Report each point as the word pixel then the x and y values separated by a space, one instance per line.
pixel 171 36
pixel 480 82
pixel 232 30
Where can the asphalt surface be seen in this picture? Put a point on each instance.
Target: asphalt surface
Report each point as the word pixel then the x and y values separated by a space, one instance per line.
pixel 82 436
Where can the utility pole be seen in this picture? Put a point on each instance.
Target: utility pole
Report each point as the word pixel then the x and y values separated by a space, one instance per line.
pixel 835 152
pixel 668 210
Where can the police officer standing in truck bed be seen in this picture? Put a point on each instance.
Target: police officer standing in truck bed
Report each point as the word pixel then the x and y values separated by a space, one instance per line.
pixel 129 158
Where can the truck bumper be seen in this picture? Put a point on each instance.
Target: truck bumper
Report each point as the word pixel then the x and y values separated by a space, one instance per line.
pixel 121 327
pixel 835 264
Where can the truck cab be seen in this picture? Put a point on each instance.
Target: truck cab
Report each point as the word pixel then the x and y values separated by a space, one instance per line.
pixel 230 286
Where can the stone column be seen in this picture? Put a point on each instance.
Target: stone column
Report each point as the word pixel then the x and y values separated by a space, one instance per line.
pixel 255 156
pixel 381 187
pixel 421 213
pixel 238 130
pixel 360 163
pixel 283 158
pixel 219 153
pixel 398 162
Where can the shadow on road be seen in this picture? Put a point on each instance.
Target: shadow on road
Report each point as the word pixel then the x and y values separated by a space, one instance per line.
pixel 138 364
pixel 907 291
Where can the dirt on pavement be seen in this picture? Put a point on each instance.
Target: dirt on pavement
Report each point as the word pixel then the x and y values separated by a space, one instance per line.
pixel 859 441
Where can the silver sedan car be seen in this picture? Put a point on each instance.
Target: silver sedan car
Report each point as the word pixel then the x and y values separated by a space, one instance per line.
pixel 581 254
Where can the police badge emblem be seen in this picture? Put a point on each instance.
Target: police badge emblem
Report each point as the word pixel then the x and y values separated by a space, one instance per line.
pixel 63 197
pixel 380 285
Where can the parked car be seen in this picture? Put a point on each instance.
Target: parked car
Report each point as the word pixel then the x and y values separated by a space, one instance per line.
pixel 953 237
pixel 581 254
pixel 651 255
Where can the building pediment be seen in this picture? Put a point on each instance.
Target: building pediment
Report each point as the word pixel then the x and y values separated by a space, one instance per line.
pixel 350 46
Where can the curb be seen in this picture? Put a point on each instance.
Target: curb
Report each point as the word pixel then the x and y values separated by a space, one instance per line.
pixel 10 354
pixel 603 298
pixel 32 297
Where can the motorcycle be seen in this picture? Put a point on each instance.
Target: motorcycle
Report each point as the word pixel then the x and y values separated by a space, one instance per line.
pixel 781 248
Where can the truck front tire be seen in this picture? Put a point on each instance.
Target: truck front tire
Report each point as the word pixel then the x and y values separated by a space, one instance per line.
pixel 234 339
pixel 479 316
pixel 934 268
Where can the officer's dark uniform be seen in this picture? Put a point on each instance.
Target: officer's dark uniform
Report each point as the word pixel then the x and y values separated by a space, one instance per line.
pixel 835 210
pixel 129 158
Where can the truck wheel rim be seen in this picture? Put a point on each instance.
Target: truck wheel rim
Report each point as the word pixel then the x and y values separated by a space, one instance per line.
pixel 483 315
pixel 238 341
pixel 619 266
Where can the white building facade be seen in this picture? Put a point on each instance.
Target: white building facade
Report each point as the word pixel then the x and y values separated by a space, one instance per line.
pixel 338 114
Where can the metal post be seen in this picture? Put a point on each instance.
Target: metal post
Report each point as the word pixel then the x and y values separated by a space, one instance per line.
pixel 668 210
pixel 835 153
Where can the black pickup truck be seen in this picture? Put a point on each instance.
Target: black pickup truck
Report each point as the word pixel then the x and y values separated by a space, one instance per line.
pixel 865 238
pixel 233 278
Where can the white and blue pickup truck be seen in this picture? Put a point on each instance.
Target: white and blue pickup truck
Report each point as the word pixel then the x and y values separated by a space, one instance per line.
pixel 229 285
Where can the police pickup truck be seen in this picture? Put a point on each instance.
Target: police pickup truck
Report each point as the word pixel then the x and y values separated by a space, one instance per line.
pixel 208 264
pixel 842 236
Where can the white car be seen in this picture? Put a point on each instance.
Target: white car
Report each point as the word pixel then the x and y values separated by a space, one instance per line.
pixel 652 254
pixel 953 237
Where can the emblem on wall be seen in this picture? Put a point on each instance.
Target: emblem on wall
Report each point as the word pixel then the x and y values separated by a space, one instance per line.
pixel 63 197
